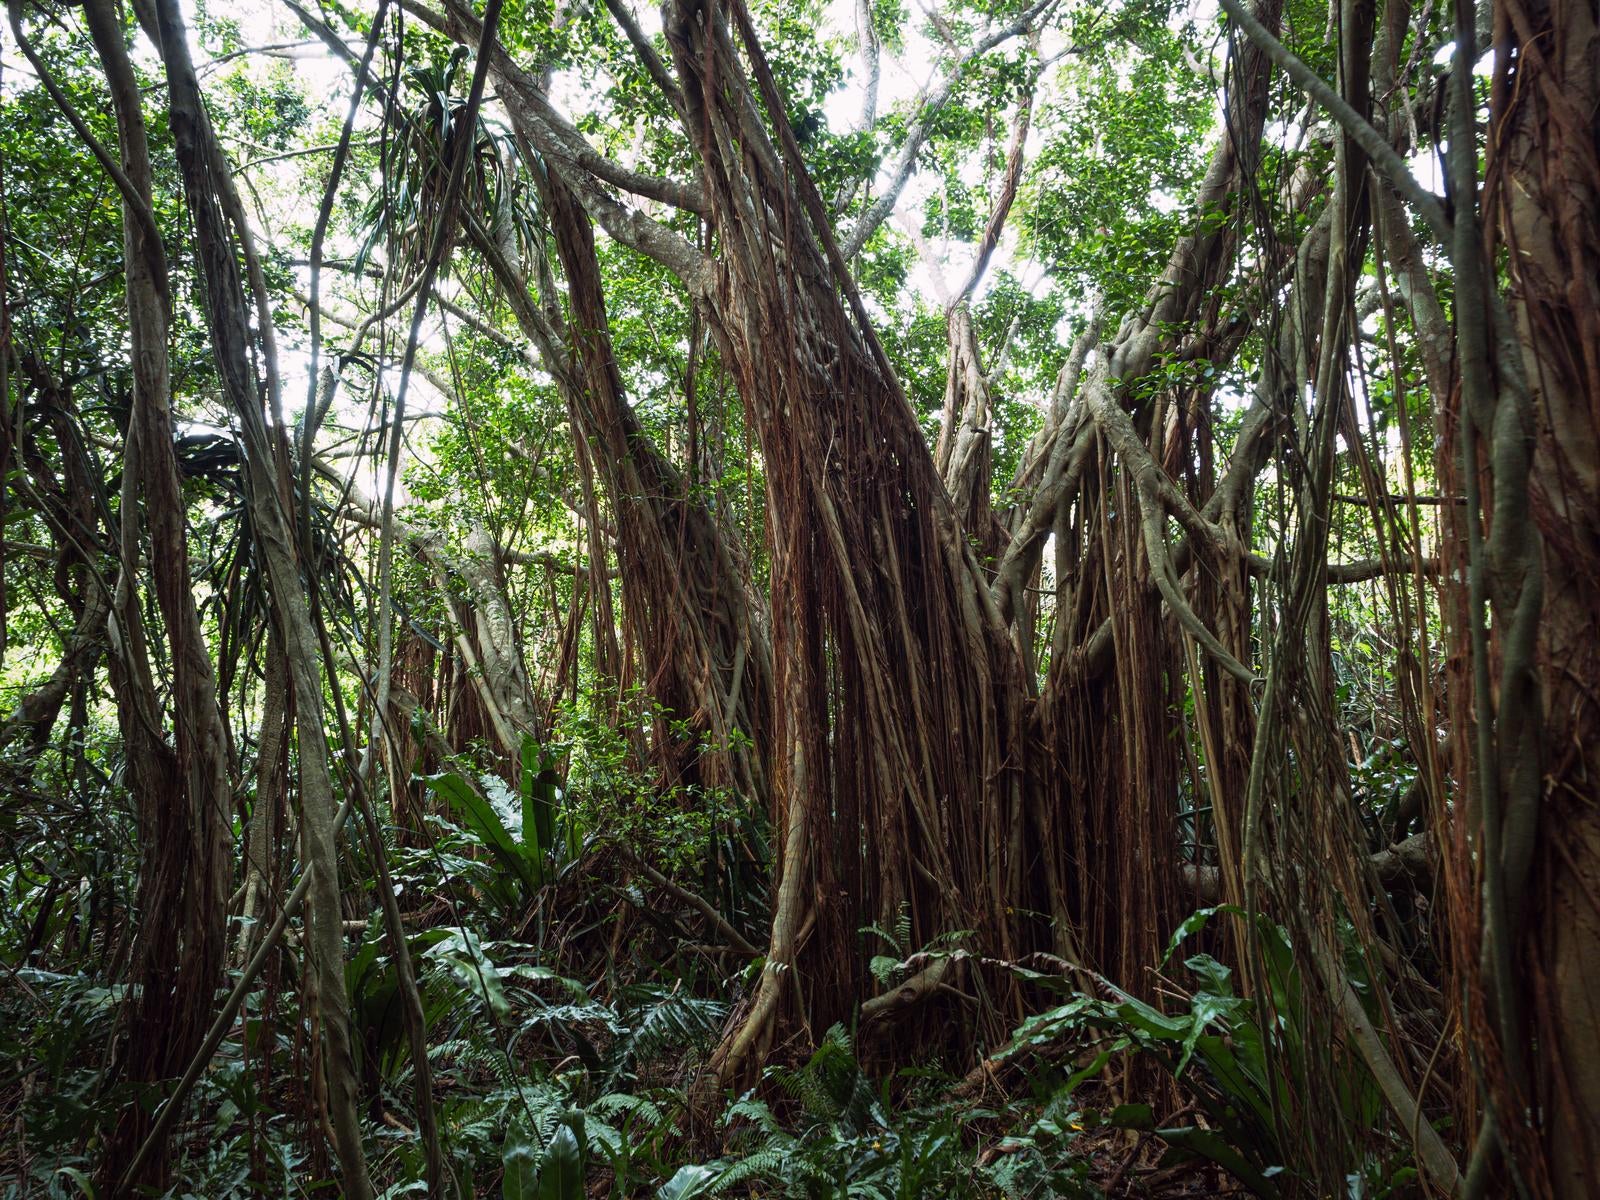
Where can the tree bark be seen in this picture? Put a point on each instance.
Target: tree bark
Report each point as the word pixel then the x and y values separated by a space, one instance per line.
pixel 219 240
pixel 1542 198
pixel 185 810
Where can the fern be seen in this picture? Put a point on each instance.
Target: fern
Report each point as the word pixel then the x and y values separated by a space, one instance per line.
pixel 469 1054
pixel 536 1109
pixel 755 1111
pixel 669 1022
pixel 767 1164
pixel 639 1107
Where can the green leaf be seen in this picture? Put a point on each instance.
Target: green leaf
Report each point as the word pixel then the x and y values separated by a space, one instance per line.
pixel 1217 978
pixel 479 817
pixel 1194 923
pixel 1151 1021
pixel 540 792
pixel 883 967
pixel 79 1179
pixel 561 1177
pixel 688 1182
pixel 1207 1144
pixel 1204 1009
pixel 461 952
pixel 521 1159
pixel 1132 1116
pixel 1092 1070
pixel 1240 1083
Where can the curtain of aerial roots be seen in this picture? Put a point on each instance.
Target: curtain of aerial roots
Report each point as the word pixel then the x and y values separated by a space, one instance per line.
pixel 690 615
pixel 687 606
pixel 898 769
pixel 912 779
pixel 1302 842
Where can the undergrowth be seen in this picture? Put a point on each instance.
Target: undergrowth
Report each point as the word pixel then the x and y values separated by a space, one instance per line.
pixel 571 1004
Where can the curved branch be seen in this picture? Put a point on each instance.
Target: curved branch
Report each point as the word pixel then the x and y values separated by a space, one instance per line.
pixel 1359 571
pixel 580 166
pixel 931 102
pixel 1377 148
pixel 1117 426
pixel 648 58
pixel 131 196
pixel 1001 209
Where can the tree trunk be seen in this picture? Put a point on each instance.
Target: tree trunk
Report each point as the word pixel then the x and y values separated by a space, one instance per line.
pixel 1543 203
pixel 221 235
pixel 185 811
pixel 898 756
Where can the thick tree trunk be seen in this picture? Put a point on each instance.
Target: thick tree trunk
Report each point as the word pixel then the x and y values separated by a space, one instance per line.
pixel 185 812
pixel 910 776
pixel 897 759
pixel 1544 183
pixel 220 236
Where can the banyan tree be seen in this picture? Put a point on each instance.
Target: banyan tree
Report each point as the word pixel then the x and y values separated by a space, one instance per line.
pixel 1025 692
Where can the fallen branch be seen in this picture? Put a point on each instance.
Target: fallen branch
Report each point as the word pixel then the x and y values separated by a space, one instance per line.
pixel 913 991
pixel 700 904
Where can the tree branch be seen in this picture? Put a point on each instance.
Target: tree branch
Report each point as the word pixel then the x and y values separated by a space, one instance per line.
pixel 930 102
pixel 1377 148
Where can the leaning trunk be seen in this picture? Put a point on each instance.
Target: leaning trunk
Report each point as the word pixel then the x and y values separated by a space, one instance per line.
pixel 221 235
pixel 183 792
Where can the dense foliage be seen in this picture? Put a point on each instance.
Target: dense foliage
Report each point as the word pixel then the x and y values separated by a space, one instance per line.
pixel 798 599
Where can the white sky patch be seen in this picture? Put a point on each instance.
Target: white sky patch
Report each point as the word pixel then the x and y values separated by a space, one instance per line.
pixel 1429 172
